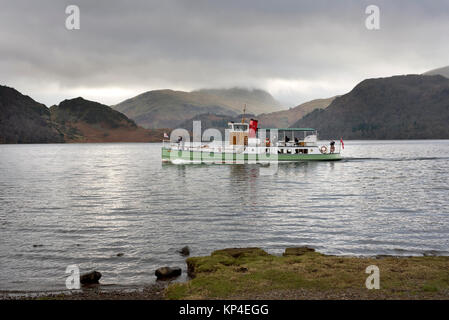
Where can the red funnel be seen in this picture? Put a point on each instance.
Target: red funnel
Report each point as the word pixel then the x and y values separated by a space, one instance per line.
pixel 252 128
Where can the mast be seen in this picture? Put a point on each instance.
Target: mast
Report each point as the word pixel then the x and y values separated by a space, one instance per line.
pixel 243 115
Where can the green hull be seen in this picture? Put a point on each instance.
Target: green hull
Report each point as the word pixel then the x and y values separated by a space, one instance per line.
pixel 198 156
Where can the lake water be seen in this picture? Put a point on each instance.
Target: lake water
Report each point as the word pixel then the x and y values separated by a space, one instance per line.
pixel 64 204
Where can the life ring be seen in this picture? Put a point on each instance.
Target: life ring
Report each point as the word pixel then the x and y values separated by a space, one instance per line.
pixel 323 149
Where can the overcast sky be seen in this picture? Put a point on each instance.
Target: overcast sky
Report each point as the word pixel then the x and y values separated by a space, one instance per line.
pixel 297 50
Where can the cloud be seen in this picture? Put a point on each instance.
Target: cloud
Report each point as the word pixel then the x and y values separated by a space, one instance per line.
pixel 297 50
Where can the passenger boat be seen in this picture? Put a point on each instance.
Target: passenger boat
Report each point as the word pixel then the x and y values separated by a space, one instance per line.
pixel 247 143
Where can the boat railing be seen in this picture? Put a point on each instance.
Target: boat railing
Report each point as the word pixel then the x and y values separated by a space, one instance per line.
pixel 323 146
pixel 328 148
pixel 183 145
pixel 295 144
pixel 208 146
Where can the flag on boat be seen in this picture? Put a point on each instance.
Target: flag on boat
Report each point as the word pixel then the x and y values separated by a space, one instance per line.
pixel 342 143
pixel 166 135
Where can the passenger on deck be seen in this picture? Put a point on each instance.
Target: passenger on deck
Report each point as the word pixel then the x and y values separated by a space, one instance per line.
pixel 332 149
pixel 267 142
pixel 296 141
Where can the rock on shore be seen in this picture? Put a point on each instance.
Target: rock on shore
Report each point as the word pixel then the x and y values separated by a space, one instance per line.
pixel 165 273
pixel 185 251
pixel 90 277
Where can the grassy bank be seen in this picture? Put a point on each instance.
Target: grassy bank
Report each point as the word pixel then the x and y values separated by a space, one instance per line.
pixel 301 273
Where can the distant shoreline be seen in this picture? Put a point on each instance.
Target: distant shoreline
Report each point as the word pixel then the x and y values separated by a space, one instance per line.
pixel 111 142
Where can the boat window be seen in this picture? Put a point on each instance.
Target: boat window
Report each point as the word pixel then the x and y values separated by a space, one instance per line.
pixel 240 127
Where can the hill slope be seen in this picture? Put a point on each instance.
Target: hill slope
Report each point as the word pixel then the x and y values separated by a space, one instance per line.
pixel 82 120
pixel 23 120
pixel 440 71
pixel 168 108
pixel 285 118
pixel 399 107
pixel 257 101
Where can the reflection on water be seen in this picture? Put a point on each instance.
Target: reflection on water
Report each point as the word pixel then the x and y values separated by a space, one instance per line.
pixel 85 203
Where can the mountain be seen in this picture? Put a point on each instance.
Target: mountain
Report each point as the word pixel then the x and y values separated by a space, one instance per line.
pixel 168 108
pixel 82 120
pixel 441 71
pixel 285 118
pixel 399 107
pixel 257 101
pixel 279 119
pixel 23 120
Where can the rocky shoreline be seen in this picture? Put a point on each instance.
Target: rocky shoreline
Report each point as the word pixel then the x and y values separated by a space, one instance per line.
pixel 251 273
pixel 94 292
